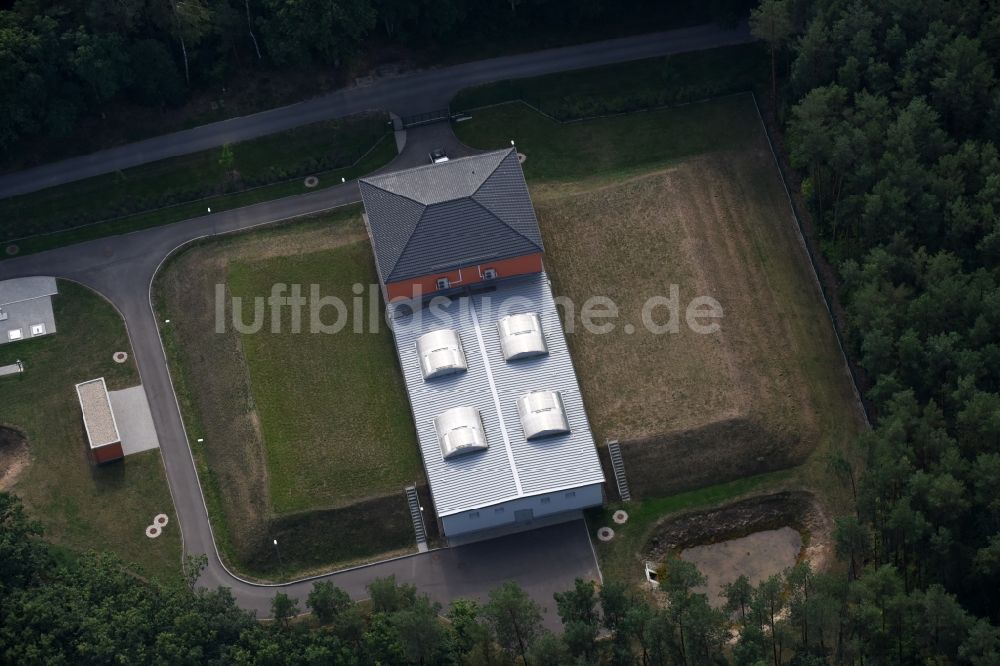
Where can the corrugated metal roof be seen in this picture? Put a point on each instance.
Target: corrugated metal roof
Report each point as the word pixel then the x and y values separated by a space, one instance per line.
pixel 440 216
pixel 23 289
pixel 512 466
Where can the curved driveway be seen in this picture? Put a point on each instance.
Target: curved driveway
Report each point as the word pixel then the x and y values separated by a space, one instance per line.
pixel 122 268
pixel 408 94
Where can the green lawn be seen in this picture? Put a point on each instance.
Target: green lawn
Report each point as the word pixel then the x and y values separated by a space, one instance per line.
pixel 82 506
pixel 305 438
pixel 616 146
pixel 332 407
pixel 630 86
pixel 184 187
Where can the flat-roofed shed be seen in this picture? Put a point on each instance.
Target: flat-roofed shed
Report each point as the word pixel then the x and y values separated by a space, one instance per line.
pixel 99 421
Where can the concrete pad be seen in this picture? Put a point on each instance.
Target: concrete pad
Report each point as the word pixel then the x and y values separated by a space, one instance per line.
pixel 135 422
pixel 12 369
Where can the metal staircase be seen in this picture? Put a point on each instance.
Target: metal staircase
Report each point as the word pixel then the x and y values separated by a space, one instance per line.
pixel 618 464
pixel 418 518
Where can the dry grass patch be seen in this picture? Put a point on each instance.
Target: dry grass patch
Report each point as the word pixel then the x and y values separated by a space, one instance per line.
pixel 716 225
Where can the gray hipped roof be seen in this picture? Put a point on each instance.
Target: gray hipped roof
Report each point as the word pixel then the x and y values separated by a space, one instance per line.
pixel 25 289
pixel 437 217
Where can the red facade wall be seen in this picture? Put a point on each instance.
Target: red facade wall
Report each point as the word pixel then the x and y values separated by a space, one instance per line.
pixel 465 276
pixel 107 453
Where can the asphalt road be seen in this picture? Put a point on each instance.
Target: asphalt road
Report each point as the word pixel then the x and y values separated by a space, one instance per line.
pixel 122 269
pixel 407 94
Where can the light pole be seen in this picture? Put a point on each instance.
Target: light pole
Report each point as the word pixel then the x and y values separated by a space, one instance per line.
pixel 278 553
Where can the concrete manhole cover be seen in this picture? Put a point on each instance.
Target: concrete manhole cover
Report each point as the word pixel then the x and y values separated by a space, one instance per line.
pixel 161 520
pixel 153 531
pixel 311 181
pixel 11 250
pixel 120 357
pixel 521 157
pixel 620 517
pixel 605 534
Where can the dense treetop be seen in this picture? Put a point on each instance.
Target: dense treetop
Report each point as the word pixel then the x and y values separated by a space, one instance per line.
pixel 66 60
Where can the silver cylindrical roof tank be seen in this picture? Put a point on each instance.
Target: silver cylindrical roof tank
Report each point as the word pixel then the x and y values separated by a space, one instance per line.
pixel 460 431
pixel 521 336
pixel 441 353
pixel 542 414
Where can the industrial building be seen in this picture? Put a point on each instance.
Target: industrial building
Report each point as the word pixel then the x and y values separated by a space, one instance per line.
pixel 500 419
pixel 26 308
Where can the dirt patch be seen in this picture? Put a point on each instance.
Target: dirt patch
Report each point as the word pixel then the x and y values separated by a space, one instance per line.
pixel 14 457
pixel 757 556
pixel 798 510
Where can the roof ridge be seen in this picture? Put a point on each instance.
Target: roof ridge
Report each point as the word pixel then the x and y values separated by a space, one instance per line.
pixel 409 239
pixel 503 222
pixel 413 231
pixel 423 167
pixel 395 194
pixel 504 150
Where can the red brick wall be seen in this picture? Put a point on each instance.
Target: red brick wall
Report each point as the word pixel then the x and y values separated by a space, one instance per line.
pixel 465 276
pixel 107 453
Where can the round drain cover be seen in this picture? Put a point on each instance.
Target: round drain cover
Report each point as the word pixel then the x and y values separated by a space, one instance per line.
pixel 605 534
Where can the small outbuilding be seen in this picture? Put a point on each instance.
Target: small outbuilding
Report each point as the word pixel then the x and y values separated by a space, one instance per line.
pixel 26 308
pixel 99 421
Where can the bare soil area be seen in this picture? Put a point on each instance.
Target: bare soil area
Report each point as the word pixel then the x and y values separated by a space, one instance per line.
pixel 798 510
pixel 14 457
pixel 757 556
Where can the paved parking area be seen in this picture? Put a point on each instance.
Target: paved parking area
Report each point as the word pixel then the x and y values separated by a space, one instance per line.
pixel 542 561
pixel 135 422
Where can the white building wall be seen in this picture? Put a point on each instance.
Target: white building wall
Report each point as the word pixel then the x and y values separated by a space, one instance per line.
pixel 507 514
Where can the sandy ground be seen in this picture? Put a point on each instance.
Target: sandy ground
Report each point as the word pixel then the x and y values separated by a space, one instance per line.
pixel 756 556
pixel 758 535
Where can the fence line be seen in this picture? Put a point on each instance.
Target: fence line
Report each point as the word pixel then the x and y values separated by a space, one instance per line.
pixel 617 114
pixel 812 262
pixel 201 199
